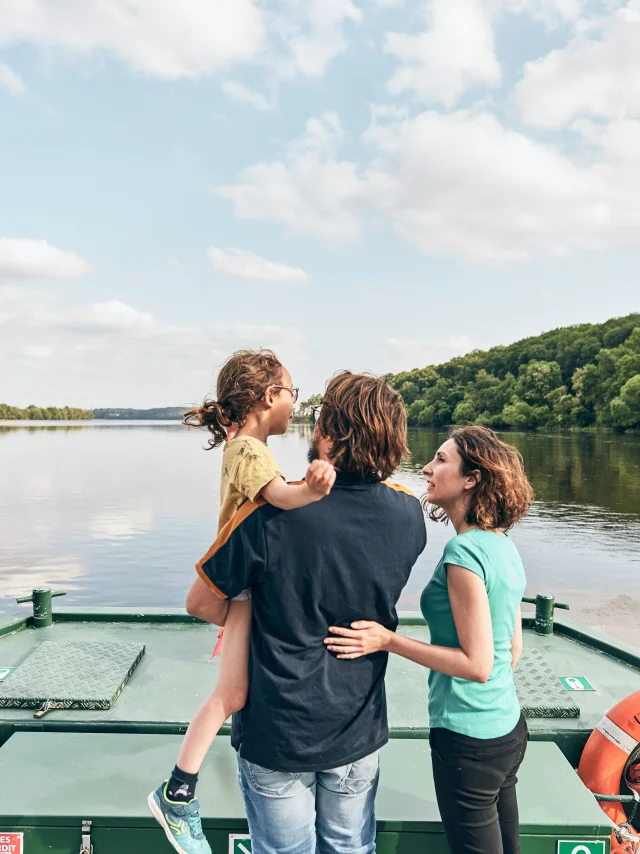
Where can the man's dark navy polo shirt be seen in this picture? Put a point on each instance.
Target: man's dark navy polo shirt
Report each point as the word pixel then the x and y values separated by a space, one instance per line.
pixel 344 558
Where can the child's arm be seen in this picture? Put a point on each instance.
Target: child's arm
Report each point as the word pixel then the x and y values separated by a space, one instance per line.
pixel 320 478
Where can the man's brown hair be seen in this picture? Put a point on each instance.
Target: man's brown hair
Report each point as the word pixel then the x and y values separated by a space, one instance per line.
pixel 366 421
pixel 242 382
pixel 503 494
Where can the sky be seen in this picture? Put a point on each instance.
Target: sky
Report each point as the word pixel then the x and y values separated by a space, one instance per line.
pixel 363 184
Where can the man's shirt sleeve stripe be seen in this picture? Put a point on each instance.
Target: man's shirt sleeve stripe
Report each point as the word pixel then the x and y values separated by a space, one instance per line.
pixel 243 512
pixel 223 537
pixel 399 487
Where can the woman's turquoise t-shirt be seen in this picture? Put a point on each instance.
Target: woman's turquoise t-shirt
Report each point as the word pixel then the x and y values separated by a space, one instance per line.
pixel 477 709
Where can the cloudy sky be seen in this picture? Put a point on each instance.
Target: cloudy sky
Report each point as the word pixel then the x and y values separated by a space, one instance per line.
pixel 371 184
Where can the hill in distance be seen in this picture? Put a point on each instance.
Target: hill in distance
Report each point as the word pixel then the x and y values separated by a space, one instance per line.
pixel 576 376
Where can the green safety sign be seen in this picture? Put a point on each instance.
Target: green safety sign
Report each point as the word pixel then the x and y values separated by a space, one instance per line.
pixel 576 683
pixel 573 846
pixel 5 672
pixel 239 843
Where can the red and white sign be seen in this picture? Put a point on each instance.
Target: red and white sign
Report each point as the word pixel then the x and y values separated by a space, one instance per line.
pixel 11 843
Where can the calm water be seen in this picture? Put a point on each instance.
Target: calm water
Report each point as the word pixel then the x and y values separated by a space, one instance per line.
pixel 118 514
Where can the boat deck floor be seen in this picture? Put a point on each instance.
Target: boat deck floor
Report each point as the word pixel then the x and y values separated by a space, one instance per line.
pixel 175 675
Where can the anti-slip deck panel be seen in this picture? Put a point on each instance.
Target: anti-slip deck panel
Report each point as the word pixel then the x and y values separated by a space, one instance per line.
pixel 72 675
pixel 539 690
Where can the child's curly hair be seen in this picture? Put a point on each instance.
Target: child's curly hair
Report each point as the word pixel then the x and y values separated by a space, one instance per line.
pixel 242 382
pixel 503 494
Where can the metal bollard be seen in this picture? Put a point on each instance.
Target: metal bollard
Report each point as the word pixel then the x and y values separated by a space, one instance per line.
pixel 42 608
pixel 545 605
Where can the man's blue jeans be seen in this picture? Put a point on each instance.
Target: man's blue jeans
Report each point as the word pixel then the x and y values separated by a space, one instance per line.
pixel 328 812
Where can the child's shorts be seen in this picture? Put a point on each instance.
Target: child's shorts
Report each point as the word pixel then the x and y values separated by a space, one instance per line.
pixel 242 597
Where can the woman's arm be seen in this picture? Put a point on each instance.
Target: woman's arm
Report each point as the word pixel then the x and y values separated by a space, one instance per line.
pixel 320 478
pixel 516 641
pixel 472 660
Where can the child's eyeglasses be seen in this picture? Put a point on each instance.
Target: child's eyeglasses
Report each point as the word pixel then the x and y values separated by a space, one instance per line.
pixel 294 391
pixel 315 412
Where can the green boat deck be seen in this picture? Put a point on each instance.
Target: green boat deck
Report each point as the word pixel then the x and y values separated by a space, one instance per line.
pixel 98 764
pixel 105 778
pixel 175 675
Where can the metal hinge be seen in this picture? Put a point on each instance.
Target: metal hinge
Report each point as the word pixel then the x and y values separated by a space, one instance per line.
pixel 42 711
pixel 85 846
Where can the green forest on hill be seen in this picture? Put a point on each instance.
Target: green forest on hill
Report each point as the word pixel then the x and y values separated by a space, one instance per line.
pixel 577 376
pixel 44 413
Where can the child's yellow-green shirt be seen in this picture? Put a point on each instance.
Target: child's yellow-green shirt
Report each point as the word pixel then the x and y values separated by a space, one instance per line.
pixel 247 467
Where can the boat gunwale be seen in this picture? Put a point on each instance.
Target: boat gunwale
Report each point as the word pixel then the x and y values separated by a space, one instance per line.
pixel 563 626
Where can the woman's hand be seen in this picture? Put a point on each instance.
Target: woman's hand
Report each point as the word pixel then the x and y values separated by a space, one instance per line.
pixel 363 638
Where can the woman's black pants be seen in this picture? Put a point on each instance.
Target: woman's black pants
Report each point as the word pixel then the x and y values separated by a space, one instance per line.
pixel 475 781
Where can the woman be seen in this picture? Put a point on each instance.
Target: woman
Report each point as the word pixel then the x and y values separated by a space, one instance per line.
pixel 472 606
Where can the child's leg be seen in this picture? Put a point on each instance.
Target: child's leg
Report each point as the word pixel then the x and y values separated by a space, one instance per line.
pixel 230 693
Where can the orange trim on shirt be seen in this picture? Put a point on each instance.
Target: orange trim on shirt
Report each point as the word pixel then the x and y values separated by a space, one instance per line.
pixel 243 512
pixel 399 488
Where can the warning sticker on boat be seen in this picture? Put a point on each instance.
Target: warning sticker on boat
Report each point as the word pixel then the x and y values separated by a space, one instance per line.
pixel 616 735
pixel 573 846
pixel 11 843
pixel 5 672
pixel 239 843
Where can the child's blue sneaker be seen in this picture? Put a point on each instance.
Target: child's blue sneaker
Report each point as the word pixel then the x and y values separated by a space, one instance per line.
pixel 181 822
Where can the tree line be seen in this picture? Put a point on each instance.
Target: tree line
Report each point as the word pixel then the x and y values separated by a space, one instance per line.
pixel 576 376
pixel 44 413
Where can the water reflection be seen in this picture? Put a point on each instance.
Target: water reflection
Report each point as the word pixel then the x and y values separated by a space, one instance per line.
pixel 567 469
pixel 118 513
pixel 27 427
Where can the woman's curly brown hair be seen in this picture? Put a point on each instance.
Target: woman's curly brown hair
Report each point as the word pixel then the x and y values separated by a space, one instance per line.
pixel 242 382
pixel 367 423
pixel 503 495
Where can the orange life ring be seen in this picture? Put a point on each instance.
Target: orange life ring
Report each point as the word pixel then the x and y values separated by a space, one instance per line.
pixel 606 757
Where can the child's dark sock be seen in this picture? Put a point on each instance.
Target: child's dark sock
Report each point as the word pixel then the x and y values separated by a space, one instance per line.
pixel 181 786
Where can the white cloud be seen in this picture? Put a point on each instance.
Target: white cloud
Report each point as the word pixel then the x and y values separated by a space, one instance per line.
pixel 312 33
pixel 464 184
pixel 11 80
pixel 459 183
pixel 406 353
pixel 113 354
pixel 307 189
pixel 597 74
pixel 175 39
pixel 106 318
pixel 247 265
pixel 551 12
pixel 22 258
pixel 240 92
pixel 37 351
pixel 455 52
pixel 163 38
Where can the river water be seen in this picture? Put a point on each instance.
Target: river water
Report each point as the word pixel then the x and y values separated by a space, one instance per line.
pixel 117 514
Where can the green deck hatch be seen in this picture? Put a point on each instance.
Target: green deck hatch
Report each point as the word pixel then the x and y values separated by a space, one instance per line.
pixel 71 675
pixel 539 690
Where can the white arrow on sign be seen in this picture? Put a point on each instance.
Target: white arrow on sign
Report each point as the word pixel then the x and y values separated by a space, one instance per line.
pixel 246 850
